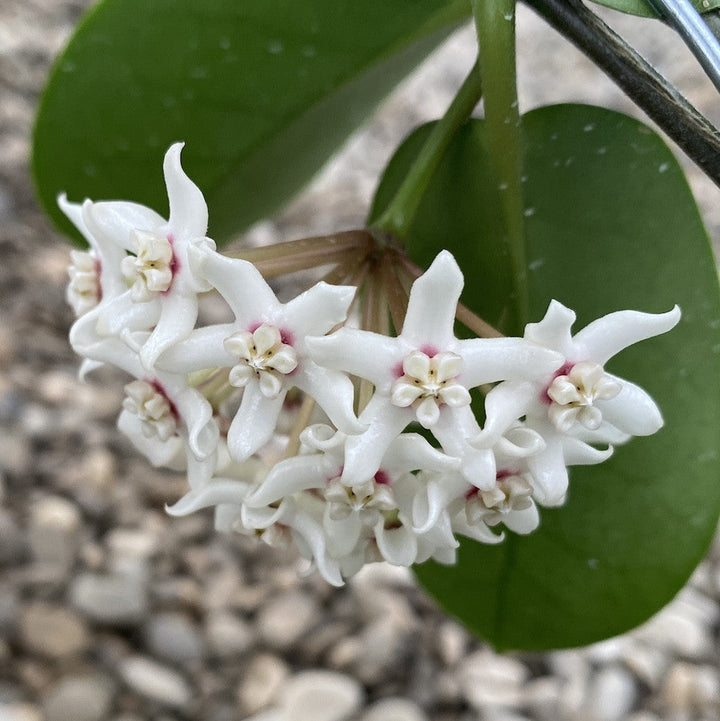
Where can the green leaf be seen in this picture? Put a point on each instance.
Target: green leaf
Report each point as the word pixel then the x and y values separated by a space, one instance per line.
pixel 645 9
pixel 262 91
pixel 478 217
pixel 611 224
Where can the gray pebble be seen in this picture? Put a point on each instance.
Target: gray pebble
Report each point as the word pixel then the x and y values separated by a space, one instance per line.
pixel 110 600
pixel 80 698
pixel 228 635
pixel 261 682
pixel 20 712
pixel 382 652
pixel 52 631
pixel 15 454
pixel 156 682
pixel 54 531
pixel 283 620
pixel 320 696
pixel 394 709
pixel 488 679
pixel 174 637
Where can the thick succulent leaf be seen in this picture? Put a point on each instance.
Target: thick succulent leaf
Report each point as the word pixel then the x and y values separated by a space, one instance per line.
pixel 611 224
pixel 262 91
pixel 645 8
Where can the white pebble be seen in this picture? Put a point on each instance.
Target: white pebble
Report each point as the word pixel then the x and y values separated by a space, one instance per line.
pixel 488 679
pixel 155 681
pixel 611 695
pixel 394 709
pixel 320 696
pixel 285 619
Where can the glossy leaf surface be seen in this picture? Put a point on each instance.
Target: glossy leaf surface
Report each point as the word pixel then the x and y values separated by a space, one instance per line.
pixel 262 92
pixel 611 224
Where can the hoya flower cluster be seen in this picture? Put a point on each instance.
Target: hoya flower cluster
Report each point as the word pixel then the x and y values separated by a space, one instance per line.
pixel 309 421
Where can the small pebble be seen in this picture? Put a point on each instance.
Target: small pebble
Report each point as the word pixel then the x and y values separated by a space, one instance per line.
pixel 228 635
pixel 261 682
pixel 20 712
pixel 611 695
pixel 689 689
pixel 488 679
pixel 320 696
pixel 174 637
pixel 156 682
pixel 394 709
pixel 110 600
pixel 80 698
pixel 53 631
pixel 282 621
pixel 54 531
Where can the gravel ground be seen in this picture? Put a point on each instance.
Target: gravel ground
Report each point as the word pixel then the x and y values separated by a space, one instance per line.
pixel 109 609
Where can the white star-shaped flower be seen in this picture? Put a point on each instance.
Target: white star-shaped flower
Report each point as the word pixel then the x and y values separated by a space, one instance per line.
pixel 266 350
pixel 147 278
pixel 366 511
pixel 163 417
pixel 580 403
pixel 425 375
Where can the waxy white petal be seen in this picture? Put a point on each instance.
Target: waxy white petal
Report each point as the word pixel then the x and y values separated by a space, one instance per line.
pixel 254 423
pixel 396 545
pixel 293 475
pixel 632 411
pixel 219 491
pixel 487 360
pixel 178 314
pixel 115 221
pixel 361 353
pixel 333 392
pixel 319 309
pixel 432 304
pixel 202 349
pixel 364 452
pixel 188 209
pixel 553 331
pixel 241 285
pixel 549 473
pixel 607 336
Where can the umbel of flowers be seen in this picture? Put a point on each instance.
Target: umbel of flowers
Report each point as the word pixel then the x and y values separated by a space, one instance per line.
pixel 310 422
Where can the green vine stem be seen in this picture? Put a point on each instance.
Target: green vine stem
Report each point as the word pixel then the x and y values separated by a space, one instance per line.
pixel 495 26
pixel 400 213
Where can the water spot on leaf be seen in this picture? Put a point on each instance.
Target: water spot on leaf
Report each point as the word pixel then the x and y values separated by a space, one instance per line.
pixel 275 47
pixel 200 72
pixel 535 264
